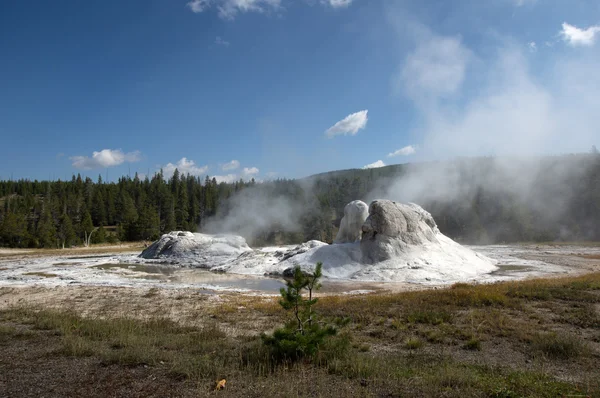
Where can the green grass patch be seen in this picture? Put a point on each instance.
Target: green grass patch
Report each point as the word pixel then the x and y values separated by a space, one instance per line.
pixel 413 343
pixel 566 289
pixel 473 344
pixel 434 376
pixel 429 316
pixel 583 315
pixel 558 346
pixel 434 336
pixel 9 332
pixel 132 342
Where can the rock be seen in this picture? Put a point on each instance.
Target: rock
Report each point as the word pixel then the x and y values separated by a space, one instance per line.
pixel 197 249
pixel 288 272
pixel 355 214
pixel 392 228
pixel 302 248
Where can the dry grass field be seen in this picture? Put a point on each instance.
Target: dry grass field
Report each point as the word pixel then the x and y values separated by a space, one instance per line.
pixel 534 338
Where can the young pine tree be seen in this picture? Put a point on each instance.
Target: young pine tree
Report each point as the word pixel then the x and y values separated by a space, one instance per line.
pixel 304 334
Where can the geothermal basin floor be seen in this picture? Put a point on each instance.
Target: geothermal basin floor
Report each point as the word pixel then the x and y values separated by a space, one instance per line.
pixel 22 269
pixel 112 284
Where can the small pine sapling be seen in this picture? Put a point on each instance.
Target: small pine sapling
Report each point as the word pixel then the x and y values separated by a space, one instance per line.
pixel 304 334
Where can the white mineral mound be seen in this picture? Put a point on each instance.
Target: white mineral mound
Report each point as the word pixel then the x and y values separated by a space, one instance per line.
pixel 196 249
pixel 399 243
pixel 396 242
pixel 355 214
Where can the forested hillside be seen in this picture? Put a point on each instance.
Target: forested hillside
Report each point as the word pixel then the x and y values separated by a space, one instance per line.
pixel 474 200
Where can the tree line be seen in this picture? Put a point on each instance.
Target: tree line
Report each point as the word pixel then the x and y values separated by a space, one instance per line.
pixel 80 211
pixel 559 200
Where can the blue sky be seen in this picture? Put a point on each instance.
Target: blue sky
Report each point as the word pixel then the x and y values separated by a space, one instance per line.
pixel 288 88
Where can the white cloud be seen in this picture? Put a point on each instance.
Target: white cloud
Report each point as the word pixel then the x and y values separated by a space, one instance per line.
pixel 532 46
pixel 349 125
pixel 233 165
pixel 184 166
pixel 228 9
pixel 246 174
pixel 229 178
pixel 375 165
pixel 521 3
pixel 337 3
pixel 105 158
pixel 435 69
pixel 579 37
pixel 406 151
pixel 198 5
pixel 219 41
pixel 250 171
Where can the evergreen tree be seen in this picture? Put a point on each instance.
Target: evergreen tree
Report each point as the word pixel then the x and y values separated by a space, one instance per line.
pixel 110 208
pixel 147 226
pixel 121 233
pixel 99 235
pixel 98 208
pixel 169 223
pixel 65 233
pixel 181 208
pixel 13 231
pixel 304 334
pixel 46 230
pixel 175 183
pixel 87 227
pixel 127 214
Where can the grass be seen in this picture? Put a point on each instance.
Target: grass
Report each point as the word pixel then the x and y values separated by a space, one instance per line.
pixel 413 343
pixel 190 352
pixel 434 336
pixel 583 315
pixel 550 292
pixel 11 332
pixel 559 346
pixel 429 316
pixel 473 344
pixel 100 248
pixel 425 375
pixel 423 343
